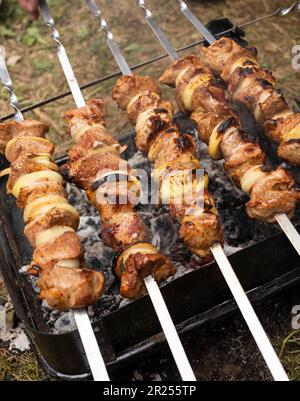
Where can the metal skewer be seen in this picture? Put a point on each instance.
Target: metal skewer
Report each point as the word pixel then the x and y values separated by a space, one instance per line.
pixel 158 302
pixel 232 280
pixel 281 218
pixel 81 317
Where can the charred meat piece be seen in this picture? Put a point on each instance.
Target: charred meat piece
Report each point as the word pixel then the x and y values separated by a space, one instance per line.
pixel 65 288
pixel 50 221
pixel 137 262
pixel 219 126
pixel 274 193
pixel 254 86
pixel 96 166
pixel 173 154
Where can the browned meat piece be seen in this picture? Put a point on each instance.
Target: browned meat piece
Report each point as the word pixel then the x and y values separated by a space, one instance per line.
pixel 5 136
pixel 278 129
pixel 53 217
pixel 248 85
pixel 138 262
pixel 92 114
pixel 241 58
pixel 85 171
pixel 240 154
pixel 187 82
pixel 196 87
pixel 66 246
pixel 208 121
pixel 274 104
pixel 199 233
pixel 123 230
pixel 121 227
pixel 170 75
pixel 130 86
pixel 39 189
pixel 28 128
pixel 149 102
pixel 290 151
pixel 12 129
pixel 189 75
pixel 139 266
pixel 25 165
pixel 172 146
pixel 150 126
pixel 18 147
pixel 92 138
pixel 211 96
pixel 273 194
pixel 65 288
pixel 221 51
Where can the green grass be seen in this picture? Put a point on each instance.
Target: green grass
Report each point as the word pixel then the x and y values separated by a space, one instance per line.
pixel 14 366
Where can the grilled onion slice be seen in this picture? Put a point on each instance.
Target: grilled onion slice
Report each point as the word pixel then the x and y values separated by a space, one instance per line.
pixel 143 248
pixel 250 177
pixel 46 162
pixel 32 207
pixel 78 131
pixel 293 134
pixel 69 263
pixel 50 234
pixel 44 208
pixel 4 172
pixel 193 84
pixel 214 144
pixel 31 178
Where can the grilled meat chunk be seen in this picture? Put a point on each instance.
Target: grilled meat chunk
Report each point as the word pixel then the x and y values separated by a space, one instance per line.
pixel 254 86
pixel 173 154
pixel 137 262
pixel 96 166
pixel 64 247
pixel 271 194
pixel 50 220
pixel 129 87
pixel 65 288
pixel 219 126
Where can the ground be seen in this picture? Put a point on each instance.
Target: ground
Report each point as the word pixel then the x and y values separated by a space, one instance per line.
pixel 37 75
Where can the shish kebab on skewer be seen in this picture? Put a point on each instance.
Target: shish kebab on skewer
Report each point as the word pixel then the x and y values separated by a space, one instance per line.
pixel 244 305
pixel 66 289
pixel 50 221
pixel 250 84
pixel 134 255
pixel 93 160
pixel 255 87
pixel 198 91
pixel 281 218
pixel 172 153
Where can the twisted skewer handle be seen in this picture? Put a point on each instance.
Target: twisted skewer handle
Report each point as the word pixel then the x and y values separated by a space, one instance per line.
pixel 7 83
pixel 111 43
pixel 157 31
pixel 284 11
pixel 62 55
